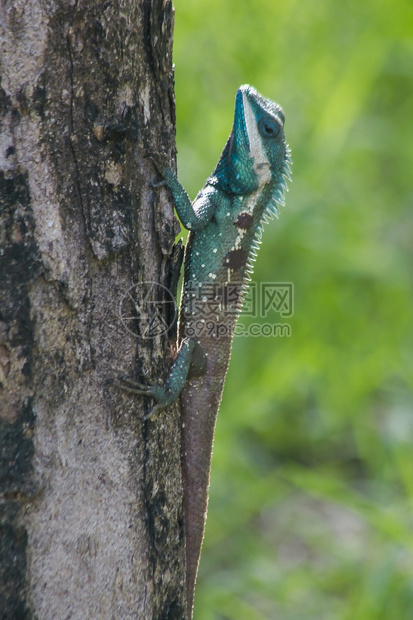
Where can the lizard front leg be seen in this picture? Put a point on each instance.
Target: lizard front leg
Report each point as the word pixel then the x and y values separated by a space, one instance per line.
pixel 193 216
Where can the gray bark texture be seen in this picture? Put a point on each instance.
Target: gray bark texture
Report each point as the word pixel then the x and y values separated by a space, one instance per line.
pixel 91 521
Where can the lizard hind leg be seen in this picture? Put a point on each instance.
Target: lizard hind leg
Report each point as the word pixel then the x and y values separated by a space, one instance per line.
pixel 190 362
pixel 155 391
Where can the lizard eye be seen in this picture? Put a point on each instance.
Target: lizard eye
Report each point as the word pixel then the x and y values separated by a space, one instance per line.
pixel 268 128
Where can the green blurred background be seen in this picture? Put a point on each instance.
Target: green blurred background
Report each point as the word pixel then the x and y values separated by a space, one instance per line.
pixel 311 496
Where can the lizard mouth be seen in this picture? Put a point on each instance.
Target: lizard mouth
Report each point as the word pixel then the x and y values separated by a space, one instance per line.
pixel 240 112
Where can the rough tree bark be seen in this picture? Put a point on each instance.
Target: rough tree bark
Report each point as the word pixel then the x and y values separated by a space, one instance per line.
pixel 91 498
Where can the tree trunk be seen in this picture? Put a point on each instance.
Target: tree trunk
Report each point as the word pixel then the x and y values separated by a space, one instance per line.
pixel 91 518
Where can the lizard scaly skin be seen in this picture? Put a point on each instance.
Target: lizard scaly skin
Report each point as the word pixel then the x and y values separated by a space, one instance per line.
pixel 225 223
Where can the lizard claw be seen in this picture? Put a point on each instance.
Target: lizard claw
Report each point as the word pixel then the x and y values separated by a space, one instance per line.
pixel 135 387
pixel 155 409
pixel 158 185
pixel 137 384
pixel 159 160
pixel 154 389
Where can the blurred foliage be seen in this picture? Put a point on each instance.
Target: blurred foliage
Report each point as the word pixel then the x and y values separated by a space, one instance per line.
pixel 312 483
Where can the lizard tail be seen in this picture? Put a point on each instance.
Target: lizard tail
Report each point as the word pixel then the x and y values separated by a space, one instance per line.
pixel 197 438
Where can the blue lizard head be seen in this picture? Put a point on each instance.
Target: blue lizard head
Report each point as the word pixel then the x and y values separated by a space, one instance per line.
pixel 256 152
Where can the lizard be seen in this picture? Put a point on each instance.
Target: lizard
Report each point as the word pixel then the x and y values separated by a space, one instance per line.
pixel 225 223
